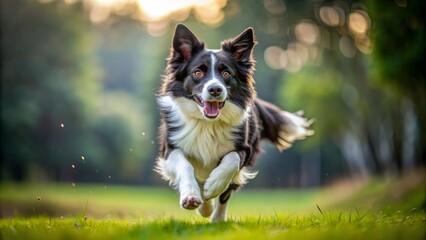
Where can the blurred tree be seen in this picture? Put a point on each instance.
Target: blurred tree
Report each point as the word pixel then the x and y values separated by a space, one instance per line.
pixel 78 98
pixel 132 62
pixel 373 128
pixel 47 86
pixel 399 57
pixel 47 80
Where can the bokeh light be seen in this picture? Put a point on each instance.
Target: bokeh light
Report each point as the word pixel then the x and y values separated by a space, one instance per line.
pixel 158 9
pixel 359 22
pixel 155 14
pixel 273 57
pixel 275 7
pixel 307 33
pixel 308 38
pixel 292 59
pixel 295 61
pixel 330 16
pixel 158 28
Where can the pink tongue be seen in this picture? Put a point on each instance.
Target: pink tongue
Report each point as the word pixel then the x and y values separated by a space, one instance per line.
pixel 211 109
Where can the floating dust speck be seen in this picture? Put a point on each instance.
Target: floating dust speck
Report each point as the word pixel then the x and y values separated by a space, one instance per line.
pixel 62 125
pixel 152 142
pixel 82 157
pixel 109 177
pixel 73 166
pixel 73 185
pixel 131 149
pixel 106 186
pixel 143 133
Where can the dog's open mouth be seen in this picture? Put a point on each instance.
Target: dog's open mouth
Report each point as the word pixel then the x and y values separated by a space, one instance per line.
pixel 211 108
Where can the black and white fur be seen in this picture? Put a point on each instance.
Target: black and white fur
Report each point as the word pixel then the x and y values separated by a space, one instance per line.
pixel 212 122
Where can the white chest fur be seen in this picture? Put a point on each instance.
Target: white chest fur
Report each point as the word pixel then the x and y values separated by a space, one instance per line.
pixel 203 142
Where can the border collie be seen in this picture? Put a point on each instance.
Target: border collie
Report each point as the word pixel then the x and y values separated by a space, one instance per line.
pixel 212 122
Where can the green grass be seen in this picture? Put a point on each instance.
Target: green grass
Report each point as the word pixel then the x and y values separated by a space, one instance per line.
pixel 333 225
pixel 379 209
pixel 135 202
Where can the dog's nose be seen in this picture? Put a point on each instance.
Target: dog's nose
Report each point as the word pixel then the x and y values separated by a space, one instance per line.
pixel 215 90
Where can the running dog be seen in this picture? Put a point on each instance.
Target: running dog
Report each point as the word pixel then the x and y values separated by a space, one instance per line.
pixel 212 122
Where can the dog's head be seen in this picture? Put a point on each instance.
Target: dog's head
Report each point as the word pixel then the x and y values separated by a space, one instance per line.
pixel 210 80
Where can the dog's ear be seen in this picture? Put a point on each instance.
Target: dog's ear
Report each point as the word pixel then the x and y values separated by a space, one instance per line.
pixel 241 46
pixel 185 42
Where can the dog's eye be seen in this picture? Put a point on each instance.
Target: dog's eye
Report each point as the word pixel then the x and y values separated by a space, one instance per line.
pixel 225 74
pixel 198 73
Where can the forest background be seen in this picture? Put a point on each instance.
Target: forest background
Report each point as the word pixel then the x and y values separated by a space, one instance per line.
pixel 79 78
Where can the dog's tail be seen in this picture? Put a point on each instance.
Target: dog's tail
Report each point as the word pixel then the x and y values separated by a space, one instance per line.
pixel 280 127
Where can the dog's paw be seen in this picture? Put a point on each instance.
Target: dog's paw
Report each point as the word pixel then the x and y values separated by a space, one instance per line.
pixel 191 201
pixel 213 187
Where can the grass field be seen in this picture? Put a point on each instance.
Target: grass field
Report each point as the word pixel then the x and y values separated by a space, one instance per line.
pixel 316 226
pixel 351 210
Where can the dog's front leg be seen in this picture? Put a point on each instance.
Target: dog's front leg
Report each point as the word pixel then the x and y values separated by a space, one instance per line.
pixel 179 171
pixel 221 176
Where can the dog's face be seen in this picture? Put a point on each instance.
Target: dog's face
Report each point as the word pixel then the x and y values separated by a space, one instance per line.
pixel 210 80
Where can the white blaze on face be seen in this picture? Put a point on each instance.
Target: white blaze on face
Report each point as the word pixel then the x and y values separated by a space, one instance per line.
pixel 205 93
pixel 212 104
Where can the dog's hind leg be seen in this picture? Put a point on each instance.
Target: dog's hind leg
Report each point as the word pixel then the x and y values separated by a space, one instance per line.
pixel 219 213
pixel 206 208
pixel 180 173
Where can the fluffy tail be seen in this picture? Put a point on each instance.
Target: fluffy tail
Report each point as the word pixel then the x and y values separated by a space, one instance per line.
pixel 280 127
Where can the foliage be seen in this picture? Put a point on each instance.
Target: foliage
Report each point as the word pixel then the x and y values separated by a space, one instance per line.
pixel 319 92
pixel 61 118
pixel 371 126
pixel 78 97
pixel 399 56
pixel 399 34
pixel 47 63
